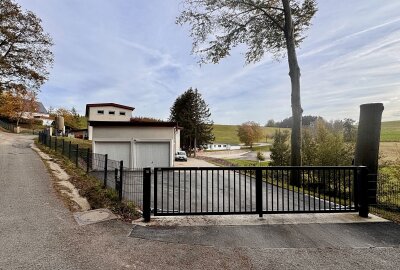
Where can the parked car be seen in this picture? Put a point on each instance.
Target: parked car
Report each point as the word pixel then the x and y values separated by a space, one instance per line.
pixel 180 156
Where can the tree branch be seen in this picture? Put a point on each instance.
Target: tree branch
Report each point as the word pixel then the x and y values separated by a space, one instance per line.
pixel 266 14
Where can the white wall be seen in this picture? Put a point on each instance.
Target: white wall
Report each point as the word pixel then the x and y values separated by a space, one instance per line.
pixel 136 135
pixel 95 116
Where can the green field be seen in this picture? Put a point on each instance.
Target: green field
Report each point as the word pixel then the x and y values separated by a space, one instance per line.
pixel 228 133
pixel 390 131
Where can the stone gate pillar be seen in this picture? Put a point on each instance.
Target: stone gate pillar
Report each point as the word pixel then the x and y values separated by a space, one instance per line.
pixel 367 151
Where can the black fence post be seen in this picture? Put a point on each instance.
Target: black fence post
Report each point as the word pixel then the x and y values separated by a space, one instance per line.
pixel 88 160
pixel 121 172
pixel 259 192
pixel 155 191
pixel 50 142
pixel 63 146
pixel 362 179
pixel 55 144
pixel 116 179
pixel 105 169
pixel 77 155
pixel 146 194
pixel 69 150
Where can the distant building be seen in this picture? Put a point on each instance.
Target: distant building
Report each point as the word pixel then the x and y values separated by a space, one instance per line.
pixel 40 113
pixel 222 146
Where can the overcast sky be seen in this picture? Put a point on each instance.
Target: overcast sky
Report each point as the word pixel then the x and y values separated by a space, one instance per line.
pixel 132 52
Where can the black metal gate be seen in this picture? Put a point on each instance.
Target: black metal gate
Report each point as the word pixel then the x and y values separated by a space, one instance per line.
pixel 254 190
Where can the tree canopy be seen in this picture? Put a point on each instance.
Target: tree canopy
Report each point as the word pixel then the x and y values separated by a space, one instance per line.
pixel 25 54
pixel 191 113
pixel 71 118
pixel 249 133
pixel 18 104
pixel 280 149
pixel 260 25
pixel 265 26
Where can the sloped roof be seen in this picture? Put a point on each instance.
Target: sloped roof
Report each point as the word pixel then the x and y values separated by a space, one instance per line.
pixel 133 123
pixel 41 108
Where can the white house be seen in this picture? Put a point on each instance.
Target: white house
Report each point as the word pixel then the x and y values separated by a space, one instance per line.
pixel 110 112
pixel 40 113
pixel 222 146
pixel 137 143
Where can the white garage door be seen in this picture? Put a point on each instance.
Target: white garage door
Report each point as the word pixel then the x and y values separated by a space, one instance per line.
pixel 152 154
pixel 115 150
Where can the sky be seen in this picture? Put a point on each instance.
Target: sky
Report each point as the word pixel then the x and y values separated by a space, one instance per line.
pixel 131 52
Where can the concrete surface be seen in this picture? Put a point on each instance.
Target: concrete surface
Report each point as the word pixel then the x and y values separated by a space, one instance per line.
pixel 38 232
pixel 193 162
pixel 326 235
pixel 253 219
pixel 93 216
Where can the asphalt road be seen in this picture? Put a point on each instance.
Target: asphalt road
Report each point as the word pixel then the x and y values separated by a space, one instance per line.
pixel 38 232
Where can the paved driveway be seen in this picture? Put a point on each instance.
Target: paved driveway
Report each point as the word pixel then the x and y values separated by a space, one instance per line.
pixel 38 232
pixel 193 162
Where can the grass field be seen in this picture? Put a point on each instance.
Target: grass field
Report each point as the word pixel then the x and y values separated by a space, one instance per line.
pixel 82 143
pixel 389 151
pixel 390 131
pixel 228 133
pixel 247 163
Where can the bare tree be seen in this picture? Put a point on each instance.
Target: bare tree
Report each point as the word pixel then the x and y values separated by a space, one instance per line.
pixel 274 26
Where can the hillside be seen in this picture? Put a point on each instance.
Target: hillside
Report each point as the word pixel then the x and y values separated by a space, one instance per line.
pixel 390 131
pixel 227 133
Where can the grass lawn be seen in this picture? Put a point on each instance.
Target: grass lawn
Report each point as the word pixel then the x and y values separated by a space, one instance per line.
pixel 247 163
pixel 390 131
pixel 82 143
pixel 228 133
pixel 264 148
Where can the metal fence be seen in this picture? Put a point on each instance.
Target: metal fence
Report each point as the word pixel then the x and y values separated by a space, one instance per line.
pixel 7 126
pixel 250 190
pixel 127 182
pixel 387 197
pixel 12 128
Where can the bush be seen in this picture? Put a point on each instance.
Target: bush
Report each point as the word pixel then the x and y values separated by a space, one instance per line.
pixel 280 150
pixel 324 146
pixel 260 156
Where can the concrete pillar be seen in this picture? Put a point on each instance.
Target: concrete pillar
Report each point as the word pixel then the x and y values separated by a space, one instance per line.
pixel 367 146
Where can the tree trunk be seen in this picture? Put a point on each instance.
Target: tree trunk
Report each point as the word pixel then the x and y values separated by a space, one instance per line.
pixel 294 73
pixel 195 146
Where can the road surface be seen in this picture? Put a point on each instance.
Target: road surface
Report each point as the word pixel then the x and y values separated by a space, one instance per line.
pixel 38 232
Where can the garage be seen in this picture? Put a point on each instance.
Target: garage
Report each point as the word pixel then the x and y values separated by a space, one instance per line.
pixel 152 154
pixel 115 150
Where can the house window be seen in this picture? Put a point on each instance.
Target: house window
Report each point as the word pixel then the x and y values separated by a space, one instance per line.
pixel 100 111
pixel 111 112
pixel 122 113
